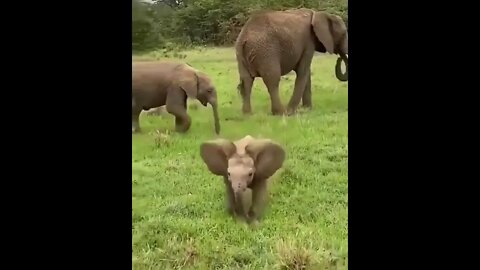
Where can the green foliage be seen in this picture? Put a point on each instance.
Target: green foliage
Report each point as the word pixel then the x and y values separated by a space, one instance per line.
pixel 146 32
pixel 217 22
pixel 178 206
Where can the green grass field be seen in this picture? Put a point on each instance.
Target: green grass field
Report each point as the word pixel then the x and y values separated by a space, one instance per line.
pixel 178 206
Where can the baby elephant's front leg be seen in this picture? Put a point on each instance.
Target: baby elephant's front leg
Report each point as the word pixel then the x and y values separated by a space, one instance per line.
pixel 229 196
pixel 259 191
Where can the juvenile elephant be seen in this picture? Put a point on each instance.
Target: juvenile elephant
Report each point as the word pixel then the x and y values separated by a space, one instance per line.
pixel 273 43
pixel 159 83
pixel 246 163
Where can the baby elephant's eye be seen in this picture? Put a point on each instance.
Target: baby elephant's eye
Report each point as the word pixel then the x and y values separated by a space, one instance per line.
pixel 250 174
pixel 228 173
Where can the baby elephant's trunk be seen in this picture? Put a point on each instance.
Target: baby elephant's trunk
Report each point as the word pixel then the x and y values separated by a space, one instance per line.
pixel 238 187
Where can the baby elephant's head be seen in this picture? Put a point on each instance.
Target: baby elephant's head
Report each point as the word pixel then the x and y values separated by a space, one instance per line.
pixel 240 170
pixel 244 161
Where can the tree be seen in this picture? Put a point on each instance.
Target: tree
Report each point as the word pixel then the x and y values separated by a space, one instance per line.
pixel 215 22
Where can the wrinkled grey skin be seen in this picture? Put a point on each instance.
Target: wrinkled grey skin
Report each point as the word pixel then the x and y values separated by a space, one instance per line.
pixel 273 43
pixel 246 163
pixel 159 83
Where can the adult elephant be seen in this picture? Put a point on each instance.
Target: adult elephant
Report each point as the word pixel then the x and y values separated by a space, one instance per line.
pixel 273 43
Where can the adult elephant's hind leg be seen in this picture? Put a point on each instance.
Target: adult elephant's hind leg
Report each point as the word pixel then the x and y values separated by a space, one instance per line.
pixel 177 106
pixel 245 89
pixel 271 79
pixel 307 94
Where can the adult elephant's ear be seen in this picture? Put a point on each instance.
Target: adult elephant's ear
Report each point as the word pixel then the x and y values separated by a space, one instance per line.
pixel 215 154
pixel 188 81
pixel 321 28
pixel 268 157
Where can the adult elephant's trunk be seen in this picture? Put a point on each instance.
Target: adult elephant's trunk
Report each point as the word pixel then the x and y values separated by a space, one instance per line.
pixel 343 77
pixel 215 116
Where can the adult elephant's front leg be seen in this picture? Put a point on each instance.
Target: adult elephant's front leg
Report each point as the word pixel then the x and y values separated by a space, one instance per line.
pixel 300 84
pixel 177 106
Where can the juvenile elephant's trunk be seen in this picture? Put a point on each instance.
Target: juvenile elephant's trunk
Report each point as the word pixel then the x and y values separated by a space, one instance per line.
pixel 215 116
pixel 343 77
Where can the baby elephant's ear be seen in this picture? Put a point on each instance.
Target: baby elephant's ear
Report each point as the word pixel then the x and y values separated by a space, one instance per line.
pixel 268 157
pixel 215 154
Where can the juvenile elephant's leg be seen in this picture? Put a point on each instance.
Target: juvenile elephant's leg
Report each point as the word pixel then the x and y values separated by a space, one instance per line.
pixel 307 94
pixel 245 88
pixel 298 91
pixel 258 200
pixel 272 81
pixel 135 118
pixel 177 106
pixel 135 122
pixel 230 196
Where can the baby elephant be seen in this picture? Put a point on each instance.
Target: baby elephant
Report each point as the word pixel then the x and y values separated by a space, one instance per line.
pixel 246 163
pixel 158 83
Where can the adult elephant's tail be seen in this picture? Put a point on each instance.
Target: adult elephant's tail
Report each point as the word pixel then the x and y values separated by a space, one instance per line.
pixel 242 64
pixel 244 86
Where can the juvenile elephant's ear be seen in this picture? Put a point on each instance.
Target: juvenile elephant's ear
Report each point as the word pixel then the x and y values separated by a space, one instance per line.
pixel 215 154
pixel 268 157
pixel 188 81
pixel 321 26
